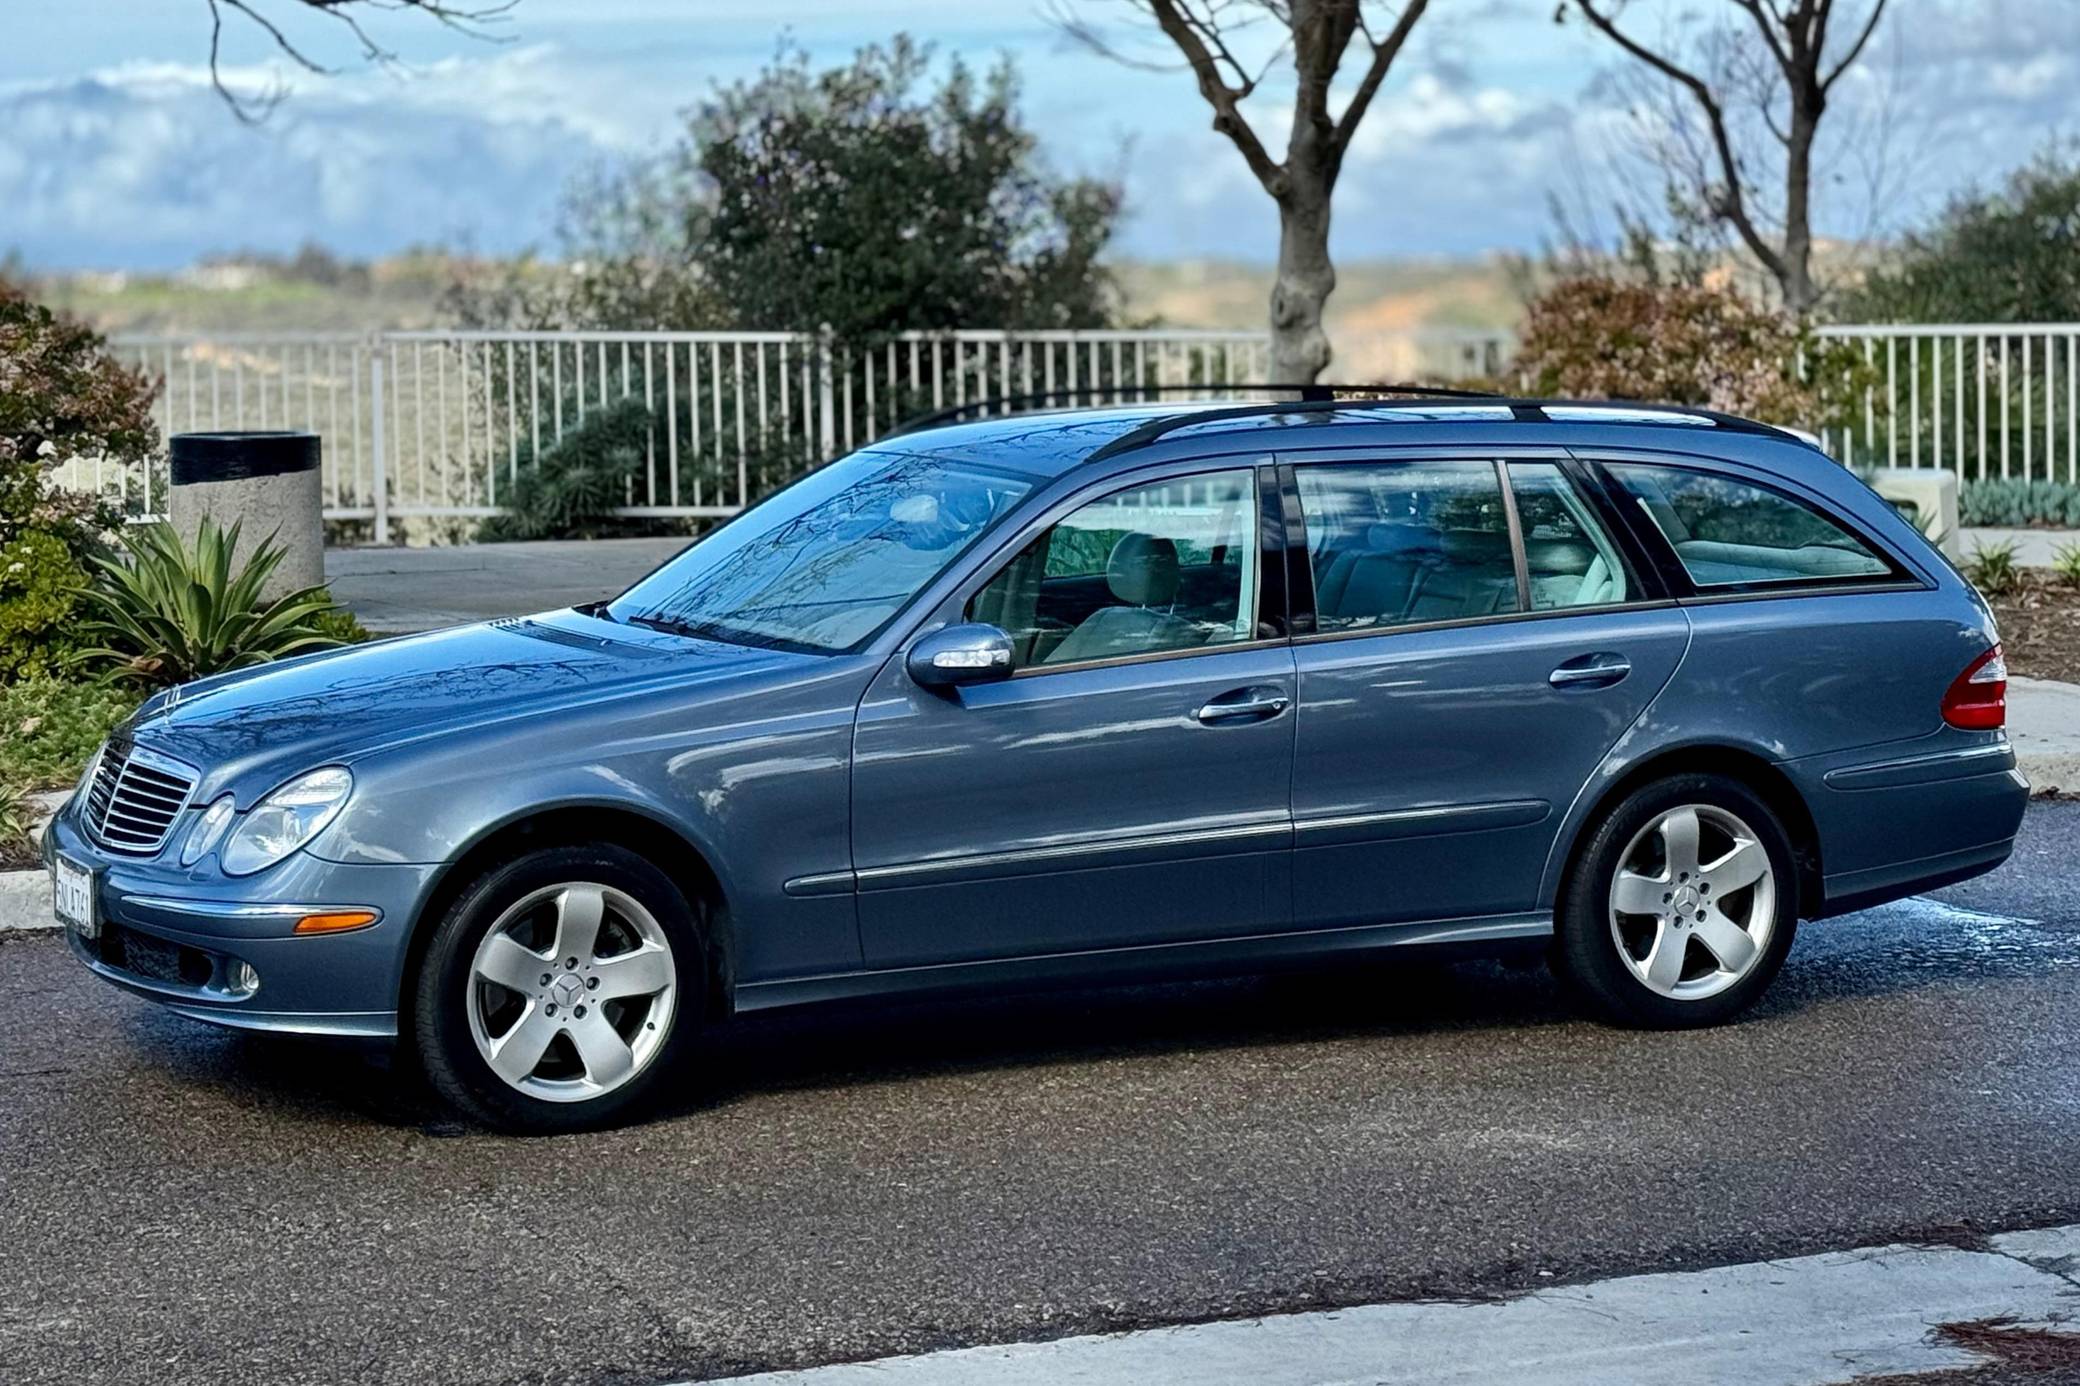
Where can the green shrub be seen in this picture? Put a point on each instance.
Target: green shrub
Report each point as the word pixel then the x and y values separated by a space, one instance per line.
pixel 50 727
pixel 171 613
pixel 15 847
pixel 2066 563
pixel 1991 567
pixel 341 627
pixel 570 488
pixel 62 396
pixel 2009 503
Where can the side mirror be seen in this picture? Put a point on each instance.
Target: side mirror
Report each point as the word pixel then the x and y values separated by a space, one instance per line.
pixel 974 652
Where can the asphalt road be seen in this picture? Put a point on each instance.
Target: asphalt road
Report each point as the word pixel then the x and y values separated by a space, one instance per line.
pixel 178 1204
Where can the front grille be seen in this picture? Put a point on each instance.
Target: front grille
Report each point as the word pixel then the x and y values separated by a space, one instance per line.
pixel 135 798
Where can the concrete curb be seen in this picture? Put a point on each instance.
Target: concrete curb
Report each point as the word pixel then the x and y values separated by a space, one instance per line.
pixel 1802 1322
pixel 25 902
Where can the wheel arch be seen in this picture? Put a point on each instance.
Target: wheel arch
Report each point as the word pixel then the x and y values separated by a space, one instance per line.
pixel 1748 767
pixel 660 843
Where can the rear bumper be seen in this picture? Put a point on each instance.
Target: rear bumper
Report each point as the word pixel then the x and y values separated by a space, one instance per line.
pixel 179 939
pixel 1912 824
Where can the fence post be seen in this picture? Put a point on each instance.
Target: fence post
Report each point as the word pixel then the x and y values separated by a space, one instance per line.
pixel 826 396
pixel 381 467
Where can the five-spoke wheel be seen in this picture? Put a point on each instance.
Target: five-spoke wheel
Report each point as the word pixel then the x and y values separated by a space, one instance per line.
pixel 559 987
pixel 570 991
pixel 1681 903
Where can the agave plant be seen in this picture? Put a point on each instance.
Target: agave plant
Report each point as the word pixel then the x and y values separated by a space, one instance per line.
pixel 165 612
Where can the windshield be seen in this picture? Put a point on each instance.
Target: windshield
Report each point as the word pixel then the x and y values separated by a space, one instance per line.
pixel 824 564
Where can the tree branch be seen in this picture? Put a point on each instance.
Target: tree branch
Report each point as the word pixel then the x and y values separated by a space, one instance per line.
pixel 1384 51
pixel 464 19
pixel 1185 32
pixel 1855 49
pixel 1731 203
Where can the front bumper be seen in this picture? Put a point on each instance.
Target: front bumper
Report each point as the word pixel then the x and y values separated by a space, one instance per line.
pixel 177 937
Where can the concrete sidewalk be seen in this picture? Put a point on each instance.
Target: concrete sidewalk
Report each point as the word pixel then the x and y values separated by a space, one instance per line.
pixel 1802 1322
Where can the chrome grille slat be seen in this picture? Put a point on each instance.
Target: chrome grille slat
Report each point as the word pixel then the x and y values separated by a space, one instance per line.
pixel 132 806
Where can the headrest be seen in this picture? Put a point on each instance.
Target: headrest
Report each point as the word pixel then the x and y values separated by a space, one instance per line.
pixel 1143 570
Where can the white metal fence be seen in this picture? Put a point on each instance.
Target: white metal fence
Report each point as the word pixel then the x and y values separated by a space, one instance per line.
pixel 1985 400
pixel 446 424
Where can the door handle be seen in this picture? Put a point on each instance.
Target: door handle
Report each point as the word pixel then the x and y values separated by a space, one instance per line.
pixel 1590 671
pixel 1258 708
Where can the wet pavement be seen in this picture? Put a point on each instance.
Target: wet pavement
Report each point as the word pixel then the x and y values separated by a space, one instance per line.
pixel 180 1204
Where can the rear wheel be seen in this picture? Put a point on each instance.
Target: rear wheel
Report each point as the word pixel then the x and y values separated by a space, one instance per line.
pixel 1682 904
pixel 560 990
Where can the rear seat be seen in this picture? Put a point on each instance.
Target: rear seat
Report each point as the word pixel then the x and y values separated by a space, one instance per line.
pixel 1712 561
pixel 1409 573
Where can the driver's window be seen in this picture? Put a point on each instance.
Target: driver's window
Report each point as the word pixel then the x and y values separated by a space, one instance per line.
pixel 1166 567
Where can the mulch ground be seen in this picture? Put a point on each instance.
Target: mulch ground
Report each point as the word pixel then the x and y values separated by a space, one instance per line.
pixel 2040 629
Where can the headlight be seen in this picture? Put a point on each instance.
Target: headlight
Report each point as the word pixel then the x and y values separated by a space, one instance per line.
pixel 208 829
pixel 285 820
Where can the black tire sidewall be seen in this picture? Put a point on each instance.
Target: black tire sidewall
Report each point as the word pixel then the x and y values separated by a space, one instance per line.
pixel 1587 954
pixel 440 1018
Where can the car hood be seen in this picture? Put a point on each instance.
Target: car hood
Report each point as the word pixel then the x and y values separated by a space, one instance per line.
pixel 337 706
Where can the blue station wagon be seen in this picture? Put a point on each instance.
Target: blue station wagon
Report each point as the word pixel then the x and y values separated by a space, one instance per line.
pixel 1084 694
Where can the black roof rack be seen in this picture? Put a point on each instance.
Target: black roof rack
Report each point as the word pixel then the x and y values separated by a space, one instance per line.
pixel 1521 411
pixel 1325 394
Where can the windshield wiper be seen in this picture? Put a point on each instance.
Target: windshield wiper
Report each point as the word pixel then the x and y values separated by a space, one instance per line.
pixel 670 626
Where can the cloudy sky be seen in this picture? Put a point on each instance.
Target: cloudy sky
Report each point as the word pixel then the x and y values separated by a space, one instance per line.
pixel 114 153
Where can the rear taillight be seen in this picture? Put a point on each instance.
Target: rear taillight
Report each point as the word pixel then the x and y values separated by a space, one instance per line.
pixel 1978 700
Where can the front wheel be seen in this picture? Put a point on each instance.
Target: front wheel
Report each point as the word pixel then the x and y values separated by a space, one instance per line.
pixel 559 990
pixel 1682 905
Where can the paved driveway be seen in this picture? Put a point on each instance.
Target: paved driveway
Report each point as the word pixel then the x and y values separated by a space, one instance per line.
pixel 182 1205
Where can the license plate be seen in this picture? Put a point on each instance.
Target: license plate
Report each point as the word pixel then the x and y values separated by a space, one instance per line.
pixel 72 897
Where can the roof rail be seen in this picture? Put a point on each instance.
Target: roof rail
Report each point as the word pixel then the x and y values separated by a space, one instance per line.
pixel 1325 394
pixel 1520 411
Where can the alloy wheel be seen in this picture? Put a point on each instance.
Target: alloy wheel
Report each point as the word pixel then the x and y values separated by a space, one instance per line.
pixel 1693 902
pixel 571 992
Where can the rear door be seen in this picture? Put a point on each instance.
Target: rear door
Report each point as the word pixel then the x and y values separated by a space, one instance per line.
pixel 1480 641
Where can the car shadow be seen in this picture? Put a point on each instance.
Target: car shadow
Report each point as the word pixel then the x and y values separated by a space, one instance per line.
pixel 1910 946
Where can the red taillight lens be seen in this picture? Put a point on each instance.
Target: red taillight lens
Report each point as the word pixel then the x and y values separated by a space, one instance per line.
pixel 1978 700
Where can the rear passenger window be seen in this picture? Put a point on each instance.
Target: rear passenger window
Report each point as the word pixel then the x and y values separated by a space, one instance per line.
pixel 1397 544
pixel 1729 533
pixel 1570 558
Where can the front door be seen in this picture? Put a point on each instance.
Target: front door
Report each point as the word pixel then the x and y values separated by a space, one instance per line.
pixel 1128 785
pixel 1478 652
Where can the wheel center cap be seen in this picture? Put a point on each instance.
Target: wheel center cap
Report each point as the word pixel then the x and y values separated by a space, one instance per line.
pixel 566 990
pixel 1686 901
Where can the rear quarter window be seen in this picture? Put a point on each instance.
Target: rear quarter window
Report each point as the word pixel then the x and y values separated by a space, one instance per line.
pixel 1732 533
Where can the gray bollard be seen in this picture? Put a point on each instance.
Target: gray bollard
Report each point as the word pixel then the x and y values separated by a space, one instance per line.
pixel 268 480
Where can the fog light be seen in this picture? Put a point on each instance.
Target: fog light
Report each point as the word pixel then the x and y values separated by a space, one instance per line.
pixel 244 979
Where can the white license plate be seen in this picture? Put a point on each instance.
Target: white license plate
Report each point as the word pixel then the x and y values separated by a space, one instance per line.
pixel 72 897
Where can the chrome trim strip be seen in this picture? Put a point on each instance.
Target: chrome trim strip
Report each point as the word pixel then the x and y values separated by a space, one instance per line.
pixel 1935 767
pixel 921 872
pixel 210 909
pixel 1445 818
pixel 822 883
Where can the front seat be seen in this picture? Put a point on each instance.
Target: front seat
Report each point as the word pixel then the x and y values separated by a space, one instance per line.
pixel 1142 573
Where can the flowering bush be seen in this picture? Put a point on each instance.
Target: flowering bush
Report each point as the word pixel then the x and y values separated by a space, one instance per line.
pixel 62 395
pixel 1597 336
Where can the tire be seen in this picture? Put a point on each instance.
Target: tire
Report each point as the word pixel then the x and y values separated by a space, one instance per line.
pixel 641 982
pixel 1669 961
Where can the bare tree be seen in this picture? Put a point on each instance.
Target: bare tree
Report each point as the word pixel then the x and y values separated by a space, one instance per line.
pixel 265 15
pixel 1760 98
pixel 1317 35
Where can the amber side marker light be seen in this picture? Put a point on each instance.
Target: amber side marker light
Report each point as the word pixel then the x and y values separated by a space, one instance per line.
pixel 336 922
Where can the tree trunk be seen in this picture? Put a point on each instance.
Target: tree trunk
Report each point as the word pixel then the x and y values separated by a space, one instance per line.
pixel 1795 276
pixel 1299 347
